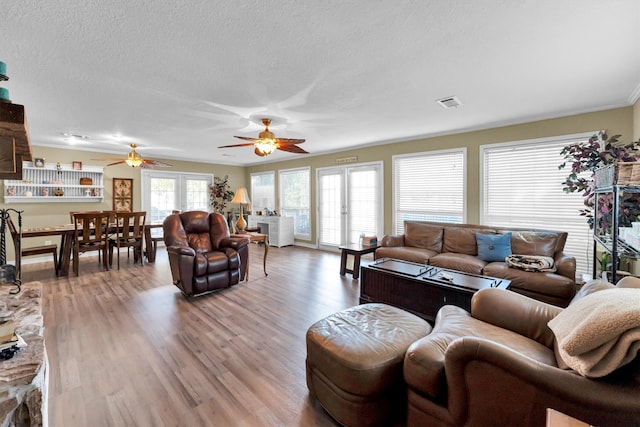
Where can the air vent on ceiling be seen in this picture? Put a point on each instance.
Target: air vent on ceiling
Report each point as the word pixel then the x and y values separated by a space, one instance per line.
pixel 449 102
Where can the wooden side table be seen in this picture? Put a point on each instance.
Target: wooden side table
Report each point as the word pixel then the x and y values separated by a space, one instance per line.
pixel 357 251
pixel 256 238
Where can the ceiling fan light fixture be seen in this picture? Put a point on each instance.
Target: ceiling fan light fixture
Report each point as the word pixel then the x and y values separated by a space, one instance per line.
pixel 266 146
pixel 267 135
pixel 134 163
pixel 133 158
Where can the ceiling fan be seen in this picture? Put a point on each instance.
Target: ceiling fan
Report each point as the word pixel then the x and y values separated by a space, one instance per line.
pixel 267 143
pixel 135 160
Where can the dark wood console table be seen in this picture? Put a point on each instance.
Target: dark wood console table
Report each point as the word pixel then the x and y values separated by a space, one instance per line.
pixel 357 251
pixel 421 289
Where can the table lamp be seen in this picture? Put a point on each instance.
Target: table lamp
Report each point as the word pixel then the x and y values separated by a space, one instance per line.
pixel 242 198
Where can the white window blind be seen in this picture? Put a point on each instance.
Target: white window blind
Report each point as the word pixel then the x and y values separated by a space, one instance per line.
pixel 295 199
pixel 263 191
pixel 521 186
pixel 429 187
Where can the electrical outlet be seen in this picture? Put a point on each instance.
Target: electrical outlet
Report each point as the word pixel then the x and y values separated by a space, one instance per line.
pixel 47 242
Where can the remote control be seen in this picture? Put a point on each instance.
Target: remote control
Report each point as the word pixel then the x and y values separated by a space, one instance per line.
pixel 446 277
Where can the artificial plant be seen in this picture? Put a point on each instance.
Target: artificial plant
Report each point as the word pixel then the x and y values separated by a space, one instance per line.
pixel 220 194
pixel 585 158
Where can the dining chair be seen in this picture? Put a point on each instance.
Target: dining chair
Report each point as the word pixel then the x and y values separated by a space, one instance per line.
pixel 91 235
pixel 29 251
pixel 129 234
pixel 159 236
pixel 72 213
pixel 112 216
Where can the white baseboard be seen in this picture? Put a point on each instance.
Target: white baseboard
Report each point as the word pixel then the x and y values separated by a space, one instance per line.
pixel 306 245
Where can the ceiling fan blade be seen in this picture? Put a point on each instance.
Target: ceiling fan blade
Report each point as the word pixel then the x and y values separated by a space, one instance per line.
pixel 151 163
pixel 109 158
pixel 116 163
pixel 236 145
pixel 289 141
pixel 292 149
pixel 247 138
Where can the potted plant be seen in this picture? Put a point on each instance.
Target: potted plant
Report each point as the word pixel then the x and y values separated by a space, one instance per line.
pixel 220 194
pixel 584 158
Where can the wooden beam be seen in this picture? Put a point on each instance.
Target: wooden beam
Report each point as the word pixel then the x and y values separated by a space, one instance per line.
pixel 15 143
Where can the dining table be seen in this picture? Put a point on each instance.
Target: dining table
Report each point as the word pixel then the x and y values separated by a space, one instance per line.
pixel 67 232
pixel 150 248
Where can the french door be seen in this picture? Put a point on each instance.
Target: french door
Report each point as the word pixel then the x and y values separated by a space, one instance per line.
pixel 349 204
pixel 163 192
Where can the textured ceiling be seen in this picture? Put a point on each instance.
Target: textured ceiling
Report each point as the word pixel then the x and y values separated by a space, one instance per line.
pixel 182 78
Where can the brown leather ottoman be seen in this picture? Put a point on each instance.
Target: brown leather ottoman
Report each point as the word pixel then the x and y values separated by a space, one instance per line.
pixel 354 362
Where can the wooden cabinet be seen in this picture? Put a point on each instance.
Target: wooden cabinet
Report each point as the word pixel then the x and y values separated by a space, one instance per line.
pixel 53 183
pixel 278 228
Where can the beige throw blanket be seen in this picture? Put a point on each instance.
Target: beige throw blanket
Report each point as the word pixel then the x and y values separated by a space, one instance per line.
pixel 599 333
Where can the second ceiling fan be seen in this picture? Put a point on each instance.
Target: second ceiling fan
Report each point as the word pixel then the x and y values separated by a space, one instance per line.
pixel 267 143
pixel 134 160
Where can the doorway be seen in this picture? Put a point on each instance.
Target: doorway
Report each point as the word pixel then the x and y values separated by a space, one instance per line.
pixel 349 204
pixel 164 192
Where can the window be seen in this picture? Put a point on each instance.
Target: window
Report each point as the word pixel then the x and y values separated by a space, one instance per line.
pixel 521 186
pixel 163 192
pixel 263 191
pixel 295 199
pixel 429 187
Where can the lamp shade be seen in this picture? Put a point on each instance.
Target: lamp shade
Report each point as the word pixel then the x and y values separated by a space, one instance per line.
pixel 241 196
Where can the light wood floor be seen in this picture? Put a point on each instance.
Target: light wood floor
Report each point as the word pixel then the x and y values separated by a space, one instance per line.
pixel 127 349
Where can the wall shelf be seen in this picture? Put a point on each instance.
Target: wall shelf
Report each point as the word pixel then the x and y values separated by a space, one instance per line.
pixel 612 243
pixel 39 185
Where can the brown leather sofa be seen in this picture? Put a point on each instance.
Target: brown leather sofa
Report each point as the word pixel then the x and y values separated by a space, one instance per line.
pixel 454 246
pixel 202 255
pixel 498 366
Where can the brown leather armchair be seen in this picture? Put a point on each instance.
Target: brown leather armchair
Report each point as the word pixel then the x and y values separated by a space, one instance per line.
pixel 497 366
pixel 202 255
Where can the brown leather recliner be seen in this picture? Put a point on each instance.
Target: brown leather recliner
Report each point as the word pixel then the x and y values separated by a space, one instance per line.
pixel 202 255
pixel 497 366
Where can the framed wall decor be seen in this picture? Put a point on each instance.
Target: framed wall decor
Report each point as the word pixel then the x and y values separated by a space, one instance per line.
pixel 123 194
pixel 38 162
pixel 76 166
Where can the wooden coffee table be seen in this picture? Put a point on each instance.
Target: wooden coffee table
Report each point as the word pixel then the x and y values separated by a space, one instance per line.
pixel 421 289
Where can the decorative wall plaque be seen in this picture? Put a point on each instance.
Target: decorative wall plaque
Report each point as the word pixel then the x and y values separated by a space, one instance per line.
pixel 123 194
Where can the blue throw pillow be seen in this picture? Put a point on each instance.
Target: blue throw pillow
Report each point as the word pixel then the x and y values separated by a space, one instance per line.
pixel 493 247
